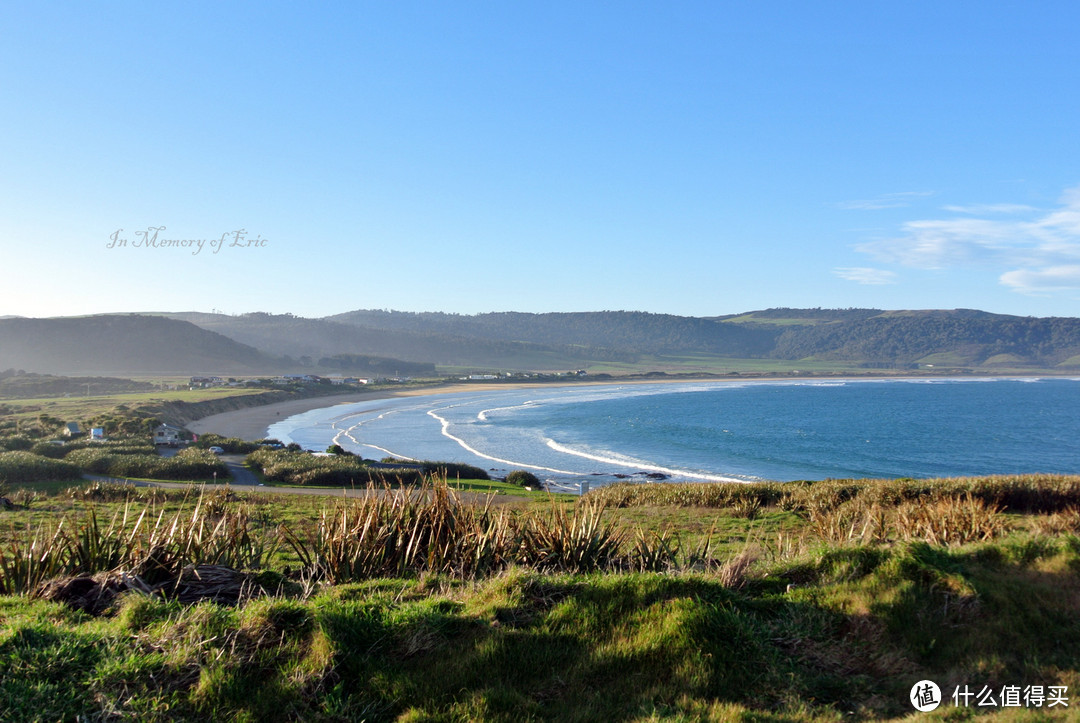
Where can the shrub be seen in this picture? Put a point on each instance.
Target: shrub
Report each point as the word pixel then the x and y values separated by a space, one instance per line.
pixel 453 469
pixel 188 464
pixel 232 445
pixel 22 467
pixel 16 443
pixel 523 478
pixel 299 468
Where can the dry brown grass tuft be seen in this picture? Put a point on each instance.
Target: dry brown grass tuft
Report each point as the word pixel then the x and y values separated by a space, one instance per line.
pixel 950 521
pixel 1065 522
pixel 734 573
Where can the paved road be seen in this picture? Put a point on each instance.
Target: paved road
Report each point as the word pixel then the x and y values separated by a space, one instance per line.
pixel 241 475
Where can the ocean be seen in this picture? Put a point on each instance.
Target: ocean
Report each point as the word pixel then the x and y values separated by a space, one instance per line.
pixel 722 431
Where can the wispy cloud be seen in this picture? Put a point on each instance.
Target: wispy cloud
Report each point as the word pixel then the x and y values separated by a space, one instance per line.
pixel 887 200
pixel 1039 252
pixel 863 275
pixel 985 208
pixel 1034 281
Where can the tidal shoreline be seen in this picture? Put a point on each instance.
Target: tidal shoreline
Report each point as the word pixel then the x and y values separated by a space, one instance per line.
pixel 252 423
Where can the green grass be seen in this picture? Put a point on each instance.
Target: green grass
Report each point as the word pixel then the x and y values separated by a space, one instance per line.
pixel 500 488
pixel 528 646
pixel 803 630
pixel 712 364
pixel 771 321
pixel 87 407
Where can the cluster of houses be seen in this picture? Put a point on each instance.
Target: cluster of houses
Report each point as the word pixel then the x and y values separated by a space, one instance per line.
pixel 283 380
pixel 522 375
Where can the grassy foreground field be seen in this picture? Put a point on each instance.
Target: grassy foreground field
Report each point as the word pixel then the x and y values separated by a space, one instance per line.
pixel 818 601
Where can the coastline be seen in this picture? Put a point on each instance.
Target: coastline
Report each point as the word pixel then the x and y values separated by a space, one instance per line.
pixel 252 423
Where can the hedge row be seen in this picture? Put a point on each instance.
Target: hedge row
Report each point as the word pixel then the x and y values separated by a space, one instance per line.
pixel 21 467
pixel 301 468
pixel 188 464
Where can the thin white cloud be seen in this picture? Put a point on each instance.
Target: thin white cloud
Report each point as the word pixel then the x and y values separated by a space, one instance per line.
pixel 864 275
pixel 938 244
pixel 1034 281
pixel 887 200
pixel 1039 252
pixel 985 208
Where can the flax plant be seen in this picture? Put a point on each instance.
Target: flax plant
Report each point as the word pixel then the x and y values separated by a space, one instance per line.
pixel 582 542
pixel 26 564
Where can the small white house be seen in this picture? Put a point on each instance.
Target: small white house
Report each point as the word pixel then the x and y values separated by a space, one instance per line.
pixel 167 434
pixel 97 433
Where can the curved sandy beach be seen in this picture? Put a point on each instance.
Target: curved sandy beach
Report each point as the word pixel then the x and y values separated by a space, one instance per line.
pixel 252 423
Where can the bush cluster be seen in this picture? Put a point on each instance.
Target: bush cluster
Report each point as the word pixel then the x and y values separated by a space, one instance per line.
pixel 299 468
pixel 188 464
pixel 523 478
pixel 293 467
pixel 21 467
pixel 16 443
pixel 232 445
pixel 453 470
pixel 113 446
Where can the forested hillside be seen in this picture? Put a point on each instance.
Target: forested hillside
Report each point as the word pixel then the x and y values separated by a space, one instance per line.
pixel 866 336
pixel 629 331
pixel 964 337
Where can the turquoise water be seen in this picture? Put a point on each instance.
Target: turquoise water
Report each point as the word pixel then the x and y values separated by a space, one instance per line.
pixel 725 430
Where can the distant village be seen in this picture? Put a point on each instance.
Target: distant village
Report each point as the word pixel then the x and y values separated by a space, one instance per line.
pixel 206 382
pixel 288 379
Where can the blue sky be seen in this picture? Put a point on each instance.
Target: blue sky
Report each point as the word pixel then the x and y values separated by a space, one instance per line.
pixel 694 158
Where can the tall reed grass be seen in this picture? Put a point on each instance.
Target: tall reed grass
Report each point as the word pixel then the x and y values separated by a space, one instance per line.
pixel 153 547
pixel 387 533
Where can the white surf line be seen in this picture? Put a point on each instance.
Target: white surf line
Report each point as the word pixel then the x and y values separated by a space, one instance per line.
pixel 348 431
pixel 388 453
pixel 446 433
pixel 482 416
pixel 645 466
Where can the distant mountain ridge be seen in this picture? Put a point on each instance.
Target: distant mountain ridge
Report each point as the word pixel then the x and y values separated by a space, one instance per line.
pixel 870 337
pixel 408 343
pixel 625 331
pixel 155 344
pixel 122 344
